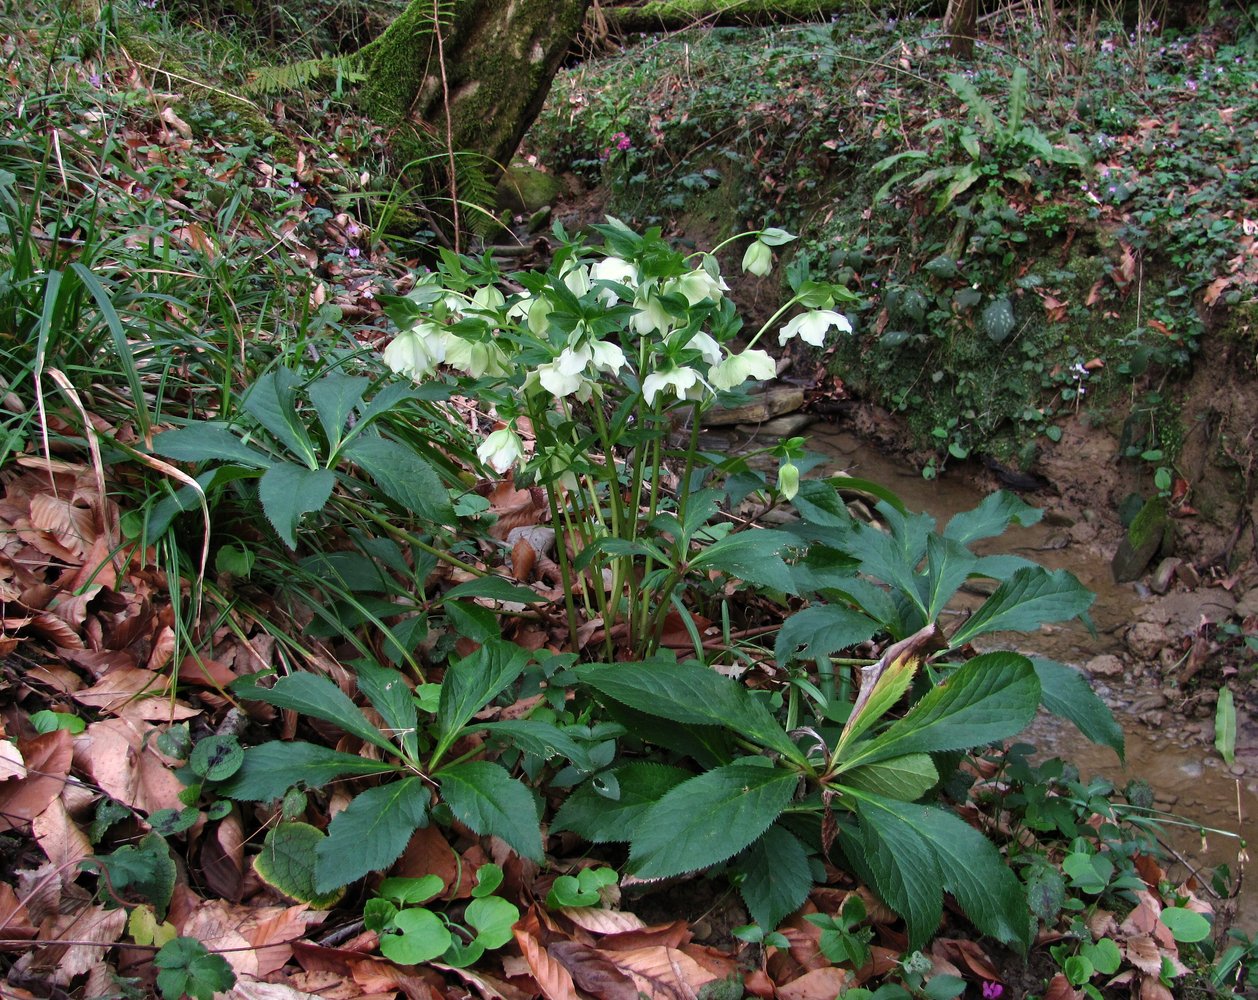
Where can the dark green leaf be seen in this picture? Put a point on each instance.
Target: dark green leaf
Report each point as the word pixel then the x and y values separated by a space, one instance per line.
pixel 776 877
pixel 318 697
pixel 273 768
pixel 821 631
pixel 403 477
pixel 710 818
pixel 288 492
pixel 144 871
pixel 599 819
pixel 216 758
pixel 1025 601
pixel 1187 926
pixel 542 739
pixel 495 588
pixel 421 936
pixel 287 864
pixel 751 556
pixel 1066 693
pixel 486 799
pixel 371 832
pixel 334 397
pixel 189 970
pixel 906 778
pixel 272 403
pixel 990 518
pixel 471 683
pixel 948 564
pixel 393 698
pixel 493 917
pixel 202 442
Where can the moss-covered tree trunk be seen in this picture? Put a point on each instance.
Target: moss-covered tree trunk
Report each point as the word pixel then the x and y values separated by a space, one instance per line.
pixel 493 60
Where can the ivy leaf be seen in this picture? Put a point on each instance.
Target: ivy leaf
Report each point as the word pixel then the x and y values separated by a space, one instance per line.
pixel 1066 693
pixel 188 970
pixel 289 491
pixel 270 770
pixel 287 864
pixel 690 693
pixel 471 683
pixel 776 877
pixel 319 698
pixel 487 800
pixel 710 818
pixel 1025 601
pixel 991 697
pixel 201 442
pixel 599 819
pixel 402 476
pixel 371 832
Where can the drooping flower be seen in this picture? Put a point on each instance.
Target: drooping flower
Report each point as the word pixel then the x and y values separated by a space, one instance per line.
pixel 417 351
pixel 616 270
pixel 811 326
pixel 698 286
pixel 758 260
pixel 606 356
pixel 476 358
pixel 788 480
pixel 566 374
pixel 576 277
pixel 738 368
pixel 501 450
pixel 684 382
pixel 707 347
pixel 652 315
pixel 489 298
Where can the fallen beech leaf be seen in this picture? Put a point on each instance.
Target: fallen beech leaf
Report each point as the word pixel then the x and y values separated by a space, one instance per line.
pixel 216 925
pixel 1144 954
pixel 672 935
pixel 551 977
pixel 758 984
pixel 59 837
pixel 593 971
pixel 1060 989
pixel 1152 989
pixel 489 987
pixel 11 763
pixel 819 984
pixel 429 853
pixel 663 973
pixel 272 930
pixel 252 990
pixel 115 754
pixel 13 916
pixel 969 954
pixel 223 858
pixel 59 963
pixel 600 921
pixel 47 758
pixel 118 687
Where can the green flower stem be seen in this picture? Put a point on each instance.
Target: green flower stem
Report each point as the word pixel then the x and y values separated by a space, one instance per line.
pixel 643 641
pixel 770 321
pixel 401 534
pixel 565 569
pixel 724 243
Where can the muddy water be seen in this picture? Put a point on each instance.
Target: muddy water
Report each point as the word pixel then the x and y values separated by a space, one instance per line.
pixel 1174 754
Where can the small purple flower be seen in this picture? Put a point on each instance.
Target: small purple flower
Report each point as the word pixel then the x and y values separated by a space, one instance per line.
pixel 353 253
pixel 352 230
pixel 622 141
pixel 1190 84
pixel 992 990
pixel 94 80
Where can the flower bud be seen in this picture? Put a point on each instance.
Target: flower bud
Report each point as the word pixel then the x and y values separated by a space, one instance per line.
pixel 758 260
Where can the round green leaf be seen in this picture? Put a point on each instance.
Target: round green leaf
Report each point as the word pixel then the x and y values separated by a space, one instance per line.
pixel 287 864
pixel 421 937
pixel 493 918
pixel 1187 926
pixel 488 878
pixel 217 758
pixel 410 891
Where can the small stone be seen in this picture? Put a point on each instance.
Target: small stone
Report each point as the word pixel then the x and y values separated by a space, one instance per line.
pixel 1189 576
pixel 1166 801
pixel 1154 720
pixel 1165 574
pixel 1105 665
pixel 1147 639
pixel 1149 702
pixel 787 426
pixel 1237 769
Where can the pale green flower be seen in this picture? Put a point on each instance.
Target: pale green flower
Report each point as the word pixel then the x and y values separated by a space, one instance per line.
pixel 417 351
pixel 684 382
pixel 576 277
pixel 501 450
pixel 707 347
pixel 811 326
pixel 607 356
pixel 565 376
pixel 758 260
pixel 616 270
pixel 788 480
pixel 738 368
pixel 539 315
pixel 652 315
pixel 489 298
pixel 698 286
pixel 475 358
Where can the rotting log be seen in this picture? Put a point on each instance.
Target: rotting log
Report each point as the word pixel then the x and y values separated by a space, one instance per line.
pixel 673 15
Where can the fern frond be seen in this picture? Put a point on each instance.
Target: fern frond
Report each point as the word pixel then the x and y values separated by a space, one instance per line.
pixel 295 76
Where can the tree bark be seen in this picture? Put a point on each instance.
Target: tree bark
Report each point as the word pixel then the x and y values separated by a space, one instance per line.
pixel 961 25
pixel 673 15
pixel 487 63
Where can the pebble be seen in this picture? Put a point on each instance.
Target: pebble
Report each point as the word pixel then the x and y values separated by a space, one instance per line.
pixel 1146 639
pixel 1237 769
pixel 1105 665
pixel 1165 574
pixel 1149 702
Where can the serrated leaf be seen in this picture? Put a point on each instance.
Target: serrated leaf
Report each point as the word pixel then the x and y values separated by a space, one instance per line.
pixel 486 799
pixel 471 683
pixel 393 698
pixel 371 832
pixel 998 320
pixel 1066 693
pixel 542 739
pixel 1025 601
pixel 690 693
pixel 318 697
pixel 906 778
pixel 710 818
pixel 270 770
pixel 495 588
pixel 991 517
pixel 189 970
pixel 217 757
pixel 752 556
pixel 948 565
pixel 287 864
pixel 402 476
pixel 202 442
pixel 599 819
pixel 334 396
pixel 776 877
pixel 888 690
pixel 821 631
pixel 145 870
pixel 991 697
pixel 288 492
pixel 272 402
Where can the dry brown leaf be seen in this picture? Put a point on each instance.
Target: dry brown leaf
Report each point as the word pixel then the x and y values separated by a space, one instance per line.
pixel 1060 989
pixel 1152 989
pixel 48 758
pixel 56 630
pixel 73 528
pixel 60 963
pixel 253 990
pixel 600 921
pixel 672 935
pixel 216 924
pixel 1144 954
pixel 969 954
pixel 758 984
pixel 272 930
pixel 223 858
pixel 593 971
pixel 11 763
pixel 429 853
pixel 13 916
pixel 120 686
pixel 554 981
pixel 819 984
pixel 489 987
pixel 663 973
pixel 59 837
pixel 115 754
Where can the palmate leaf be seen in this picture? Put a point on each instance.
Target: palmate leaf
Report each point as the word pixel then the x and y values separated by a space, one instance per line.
pixel 690 693
pixel 289 491
pixel 318 697
pixel 1066 693
pixel 273 768
pixel 371 832
pixel 710 818
pixel 403 477
pixel 751 556
pixel 334 397
pixel 992 697
pixel 917 852
pixel 272 403
pixel 776 877
pixel 1025 601
pixel 599 819
pixel 202 442
pixel 487 800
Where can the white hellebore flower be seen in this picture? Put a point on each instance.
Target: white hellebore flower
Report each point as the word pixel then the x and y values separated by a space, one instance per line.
pixel 788 480
pixel 501 450
pixel 616 270
pixel 577 278
pixel 738 368
pixel 708 348
pixel 683 381
pixel 417 351
pixel 758 260
pixel 566 374
pixel 606 356
pixel 698 286
pixel 811 326
pixel 652 315
pixel 475 358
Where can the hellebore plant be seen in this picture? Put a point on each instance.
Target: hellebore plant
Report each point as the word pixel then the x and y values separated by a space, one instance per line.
pixel 599 360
